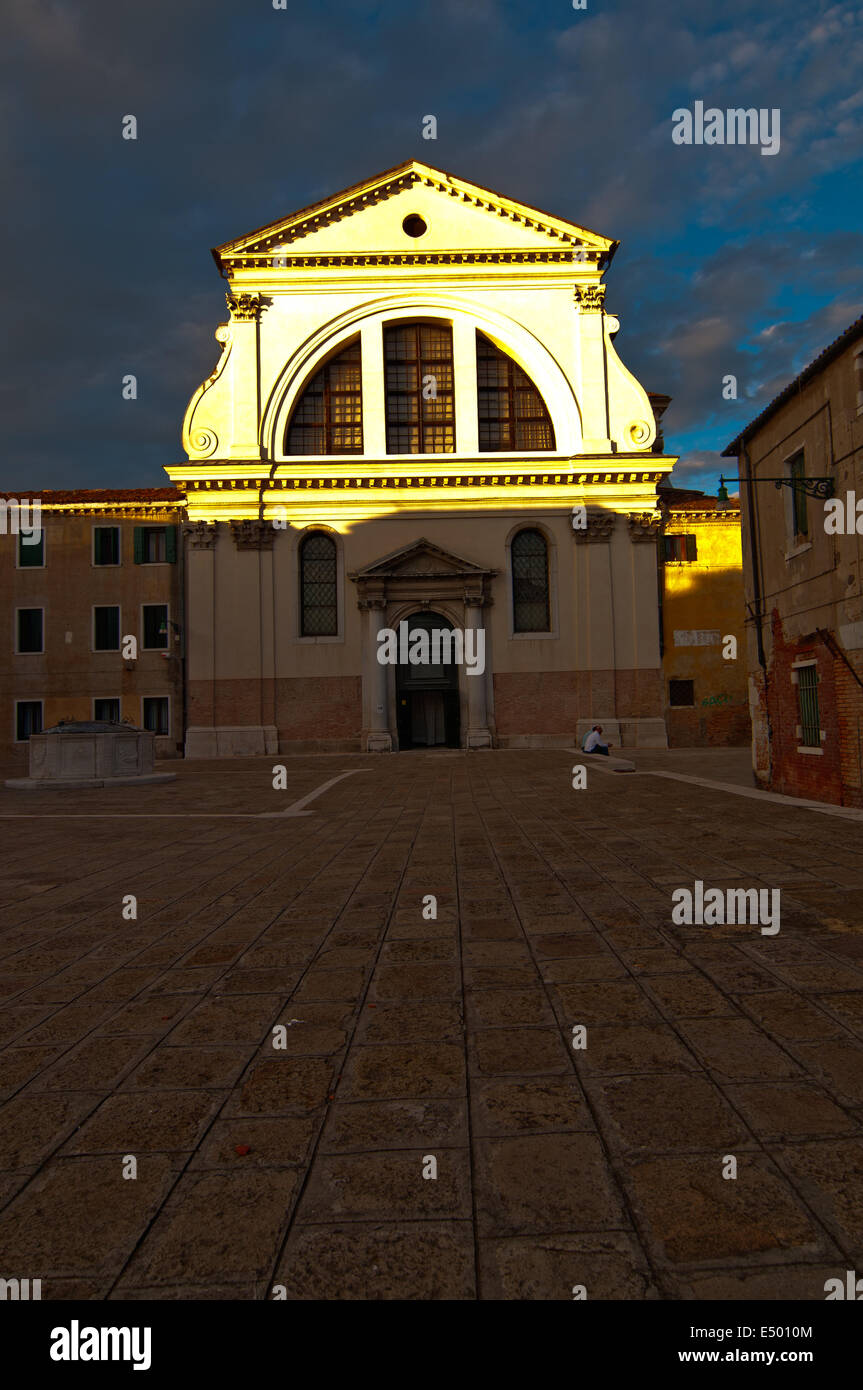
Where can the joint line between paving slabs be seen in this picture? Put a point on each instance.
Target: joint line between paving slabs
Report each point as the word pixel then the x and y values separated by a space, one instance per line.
pixel 348 1045
pixel 657 1275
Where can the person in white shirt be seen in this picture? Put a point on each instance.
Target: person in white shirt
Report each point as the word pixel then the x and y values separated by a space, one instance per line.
pixel 593 742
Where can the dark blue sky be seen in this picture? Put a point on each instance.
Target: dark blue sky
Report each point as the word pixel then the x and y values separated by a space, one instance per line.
pixel 731 261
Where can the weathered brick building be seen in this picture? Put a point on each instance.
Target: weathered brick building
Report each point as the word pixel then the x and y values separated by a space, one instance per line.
pixel 107 567
pixel 802 576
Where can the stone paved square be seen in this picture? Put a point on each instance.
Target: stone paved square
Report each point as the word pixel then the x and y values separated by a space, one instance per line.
pixel 327 1086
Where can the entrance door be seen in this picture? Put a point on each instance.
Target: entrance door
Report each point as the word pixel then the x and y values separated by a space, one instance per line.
pixel 427 697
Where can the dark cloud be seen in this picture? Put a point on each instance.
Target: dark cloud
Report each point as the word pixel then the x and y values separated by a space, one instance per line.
pixel 731 262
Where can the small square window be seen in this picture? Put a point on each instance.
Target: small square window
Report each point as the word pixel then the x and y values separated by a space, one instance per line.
pixel 681 694
pixel 28 718
pixel 31 551
pixel 106 629
pixel 30 630
pixel 156 714
pixel 106 545
pixel 680 548
pixel 108 710
pixel 155 625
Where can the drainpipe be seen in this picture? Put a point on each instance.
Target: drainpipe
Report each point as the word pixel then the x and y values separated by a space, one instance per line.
pixel 758 599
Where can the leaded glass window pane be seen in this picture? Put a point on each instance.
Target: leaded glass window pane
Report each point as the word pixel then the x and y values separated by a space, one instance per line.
pixel 512 414
pixel 328 417
pixel 530 582
pixel 318 586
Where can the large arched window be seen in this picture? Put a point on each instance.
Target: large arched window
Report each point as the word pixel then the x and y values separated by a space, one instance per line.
pixel 319 609
pixel 530 605
pixel 420 388
pixel 512 414
pixel 328 417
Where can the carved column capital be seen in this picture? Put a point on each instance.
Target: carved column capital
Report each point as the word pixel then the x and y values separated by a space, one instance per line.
pixel 590 298
pixel 599 528
pixel 201 535
pixel 253 535
pixel 644 526
pixel 369 603
pixel 245 307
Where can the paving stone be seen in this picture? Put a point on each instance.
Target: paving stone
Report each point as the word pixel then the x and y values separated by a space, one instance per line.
pixel 368 1125
pixel 829 1176
pixel 737 1051
pixel 152 1122
pixel 839 1065
pixel 185 1244
pixel 387 1186
pixel 414 982
pixel 496 1008
pixel 661 1114
pixel 188 1068
pixel 535 1106
pixel 33 1125
pixel 789 1017
pixel 570 1187
pixel 620 1050
pixel 550 1267
pixel 521 1051
pixel 80 1217
pixel 271 1143
pixel 695 1216
pixel 789 1110
pixel 279 1087
pixel 613 1001
pixel 409 1069
pixel 413 1261
pixel 436 1020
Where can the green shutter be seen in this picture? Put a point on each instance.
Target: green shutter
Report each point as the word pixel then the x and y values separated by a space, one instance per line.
pixel 171 544
pixel 691 548
pixel 139 545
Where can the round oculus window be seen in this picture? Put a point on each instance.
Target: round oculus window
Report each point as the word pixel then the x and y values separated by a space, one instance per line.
pixel 414 225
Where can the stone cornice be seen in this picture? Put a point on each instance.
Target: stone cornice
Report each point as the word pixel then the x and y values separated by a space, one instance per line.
pixel 511 477
pixel 413 258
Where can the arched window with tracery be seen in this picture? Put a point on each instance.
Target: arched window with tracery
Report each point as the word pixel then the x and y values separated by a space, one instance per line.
pixel 420 388
pixel 319 607
pixel 328 417
pixel 530 589
pixel 512 416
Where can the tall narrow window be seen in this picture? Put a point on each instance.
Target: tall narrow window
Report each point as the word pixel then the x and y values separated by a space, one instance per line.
pixel 512 414
pixel 799 516
pixel 420 389
pixel 530 582
pixel 318 586
pixel 807 705
pixel 328 417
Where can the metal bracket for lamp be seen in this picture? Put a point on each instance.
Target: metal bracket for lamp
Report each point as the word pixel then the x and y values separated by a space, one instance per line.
pixel 820 488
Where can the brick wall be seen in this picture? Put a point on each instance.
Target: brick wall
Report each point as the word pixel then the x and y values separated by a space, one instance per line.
pixel 803 774
pixel 552 702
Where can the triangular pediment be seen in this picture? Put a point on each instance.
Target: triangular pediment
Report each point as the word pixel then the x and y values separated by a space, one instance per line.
pixel 369 218
pixel 421 559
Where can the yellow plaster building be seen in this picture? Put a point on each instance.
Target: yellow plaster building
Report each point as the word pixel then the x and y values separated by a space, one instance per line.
pixel 418 385
pixel 701 597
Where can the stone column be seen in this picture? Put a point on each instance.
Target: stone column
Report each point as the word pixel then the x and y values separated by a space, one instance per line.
pixel 200 539
pixel 244 368
pixel 379 738
pixel 590 299
pixel 595 593
pixel 478 733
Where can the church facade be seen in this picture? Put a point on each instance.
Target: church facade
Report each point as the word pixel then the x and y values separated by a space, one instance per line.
pixel 419 423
